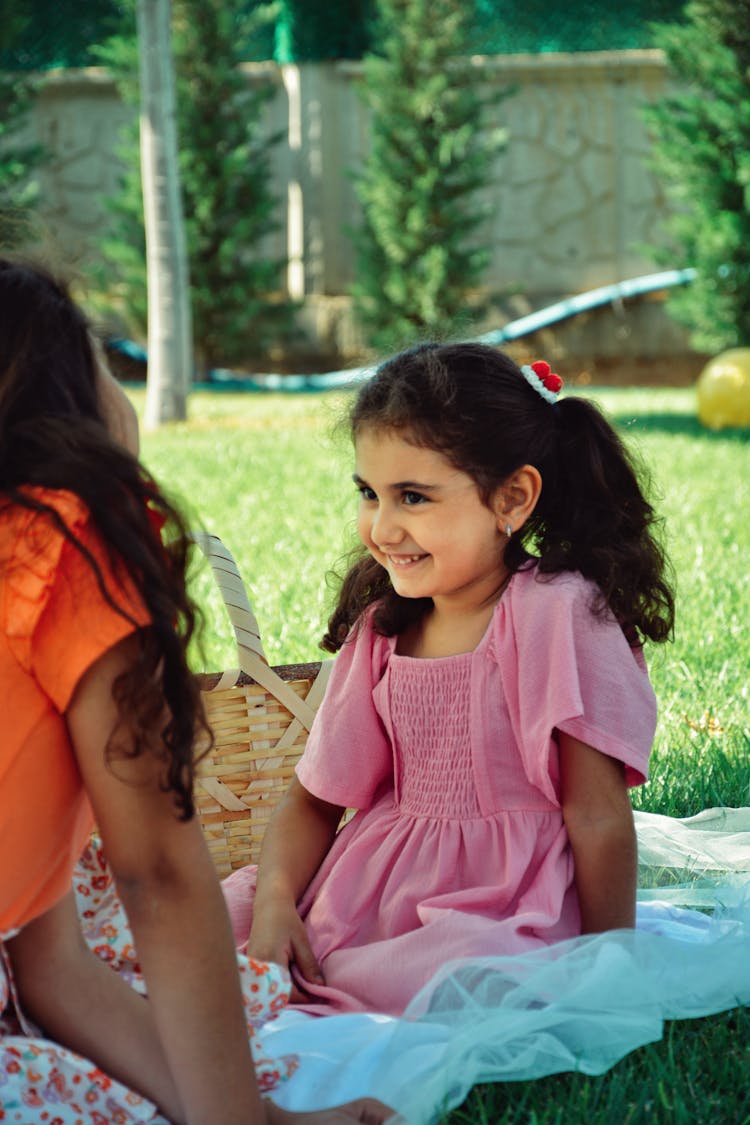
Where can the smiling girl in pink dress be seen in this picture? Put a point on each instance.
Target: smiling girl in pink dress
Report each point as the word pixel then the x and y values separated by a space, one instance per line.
pixel 489 706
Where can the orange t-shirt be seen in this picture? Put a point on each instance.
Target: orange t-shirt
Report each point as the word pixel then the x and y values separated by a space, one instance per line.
pixel 54 624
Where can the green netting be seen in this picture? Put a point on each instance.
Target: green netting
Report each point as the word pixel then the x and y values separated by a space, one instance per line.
pixel 514 26
pixel 39 34
pixel 338 29
pixel 320 29
pixel 36 34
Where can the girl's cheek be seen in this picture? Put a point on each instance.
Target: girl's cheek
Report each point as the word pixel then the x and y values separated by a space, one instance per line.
pixel 364 527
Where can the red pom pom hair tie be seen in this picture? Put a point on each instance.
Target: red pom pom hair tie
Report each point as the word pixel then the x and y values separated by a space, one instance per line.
pixel 543 379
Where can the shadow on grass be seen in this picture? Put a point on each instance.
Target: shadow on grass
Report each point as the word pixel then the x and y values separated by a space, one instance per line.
pixel 683 425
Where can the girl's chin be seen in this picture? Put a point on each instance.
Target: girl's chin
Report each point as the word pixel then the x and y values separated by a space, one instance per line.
pixel 407 589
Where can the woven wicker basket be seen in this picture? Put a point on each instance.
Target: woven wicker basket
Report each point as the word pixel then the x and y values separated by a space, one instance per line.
pixel 260 717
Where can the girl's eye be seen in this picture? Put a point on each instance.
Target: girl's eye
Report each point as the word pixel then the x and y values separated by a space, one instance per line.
pixel 411 498
pixel 365 492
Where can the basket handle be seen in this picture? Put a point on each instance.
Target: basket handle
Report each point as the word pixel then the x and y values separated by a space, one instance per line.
pixel 250 654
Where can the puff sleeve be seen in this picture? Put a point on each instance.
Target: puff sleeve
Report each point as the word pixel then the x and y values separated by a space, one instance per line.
pixel 574 671
pixel 58 620
pixel 348 757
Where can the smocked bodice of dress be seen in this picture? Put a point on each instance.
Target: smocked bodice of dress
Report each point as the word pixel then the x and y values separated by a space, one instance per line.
pixel 454 754
pixel 428 703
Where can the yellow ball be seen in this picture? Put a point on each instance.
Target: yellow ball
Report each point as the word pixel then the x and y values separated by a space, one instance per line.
pixel 723 390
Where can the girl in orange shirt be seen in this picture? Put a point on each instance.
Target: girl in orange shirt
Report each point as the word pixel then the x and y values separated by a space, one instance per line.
pixel 99 718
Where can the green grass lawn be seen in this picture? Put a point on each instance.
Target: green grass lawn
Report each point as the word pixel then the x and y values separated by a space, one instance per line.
pixel 271 476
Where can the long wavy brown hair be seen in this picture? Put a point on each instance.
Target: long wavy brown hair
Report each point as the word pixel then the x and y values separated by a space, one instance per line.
pixel 471 403
pixel 53 435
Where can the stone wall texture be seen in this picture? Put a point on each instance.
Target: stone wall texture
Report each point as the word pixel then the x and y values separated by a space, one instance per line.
pixel 574 200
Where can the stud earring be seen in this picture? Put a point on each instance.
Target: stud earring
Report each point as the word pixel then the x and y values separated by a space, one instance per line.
pixel 508 530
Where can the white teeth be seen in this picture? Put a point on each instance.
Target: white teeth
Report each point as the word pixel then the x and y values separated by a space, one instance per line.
pixel 403 560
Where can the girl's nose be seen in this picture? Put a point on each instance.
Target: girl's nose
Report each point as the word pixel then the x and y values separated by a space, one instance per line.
pixel 386 529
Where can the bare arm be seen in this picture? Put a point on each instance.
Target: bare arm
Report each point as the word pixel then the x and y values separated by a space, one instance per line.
pixel 193 1028
pixel 599 821
pixel 170 892
pixel 297 839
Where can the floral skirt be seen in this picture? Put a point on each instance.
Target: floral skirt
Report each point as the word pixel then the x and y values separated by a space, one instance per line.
pixel 42 1083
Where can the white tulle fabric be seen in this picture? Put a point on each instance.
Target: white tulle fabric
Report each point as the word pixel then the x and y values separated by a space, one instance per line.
pixel 579 1005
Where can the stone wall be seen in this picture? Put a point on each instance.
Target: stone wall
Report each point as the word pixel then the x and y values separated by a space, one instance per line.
pixel 573 197
pixel 77 119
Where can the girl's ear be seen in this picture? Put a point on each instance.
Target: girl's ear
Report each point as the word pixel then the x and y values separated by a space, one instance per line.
pixel 516 498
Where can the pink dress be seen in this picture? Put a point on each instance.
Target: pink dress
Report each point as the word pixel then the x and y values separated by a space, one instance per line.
pixel 459 847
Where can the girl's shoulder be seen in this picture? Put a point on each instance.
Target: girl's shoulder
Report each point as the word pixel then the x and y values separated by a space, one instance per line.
pixel 538 606
pixel 564 608
pixel 31 549
pixel 39 518
pixel 365 653
pixel 34 532
pixel 560 590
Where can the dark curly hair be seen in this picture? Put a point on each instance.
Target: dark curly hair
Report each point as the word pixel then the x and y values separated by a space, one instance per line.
pixel 53 435
pixel 472 404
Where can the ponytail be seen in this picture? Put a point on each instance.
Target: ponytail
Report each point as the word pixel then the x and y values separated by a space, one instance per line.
pixel 593 516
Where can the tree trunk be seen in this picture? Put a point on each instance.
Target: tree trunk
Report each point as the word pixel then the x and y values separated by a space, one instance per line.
pixel 170 358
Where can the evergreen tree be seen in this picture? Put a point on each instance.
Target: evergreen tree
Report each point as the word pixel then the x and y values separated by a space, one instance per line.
pixel 225 172
pixel 224 156
pixel 419 252
pixel 18 190
pixel 702 153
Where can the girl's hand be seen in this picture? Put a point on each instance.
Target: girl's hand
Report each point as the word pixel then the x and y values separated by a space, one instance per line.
pixel 367 1111
pixel 297 838
pixel 278 934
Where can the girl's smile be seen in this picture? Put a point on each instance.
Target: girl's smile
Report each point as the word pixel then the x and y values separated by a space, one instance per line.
pixel 426 523
pixel 405 560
